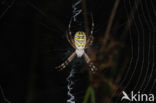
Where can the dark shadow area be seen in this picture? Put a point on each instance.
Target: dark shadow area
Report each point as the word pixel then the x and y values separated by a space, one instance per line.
pixel 33 42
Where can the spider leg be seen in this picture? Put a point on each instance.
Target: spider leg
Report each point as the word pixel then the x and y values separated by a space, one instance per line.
pixel 70 40
pixel 64 64
pixel 90 38
pixel 69 36
pixel 92 28
pixel 93 69
pixel 89 41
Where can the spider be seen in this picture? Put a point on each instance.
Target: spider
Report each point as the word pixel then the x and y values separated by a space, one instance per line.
pixel 80 42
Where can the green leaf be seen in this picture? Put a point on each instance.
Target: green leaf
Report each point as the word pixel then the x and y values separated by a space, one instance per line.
pixel 89 93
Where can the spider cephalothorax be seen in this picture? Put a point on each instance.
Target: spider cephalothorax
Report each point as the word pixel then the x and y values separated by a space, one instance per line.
pixel 79 42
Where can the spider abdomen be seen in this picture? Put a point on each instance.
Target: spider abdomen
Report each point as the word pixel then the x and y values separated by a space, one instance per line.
pixel 80 40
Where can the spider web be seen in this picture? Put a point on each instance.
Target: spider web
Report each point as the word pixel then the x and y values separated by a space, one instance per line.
pixel 5 5
pixel 142 50
pixel 3 98
pixel 76 12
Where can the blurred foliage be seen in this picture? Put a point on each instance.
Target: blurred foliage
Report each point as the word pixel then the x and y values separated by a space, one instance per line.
pixel 103 82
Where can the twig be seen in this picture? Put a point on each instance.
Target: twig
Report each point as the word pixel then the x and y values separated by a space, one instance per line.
pixel 111 19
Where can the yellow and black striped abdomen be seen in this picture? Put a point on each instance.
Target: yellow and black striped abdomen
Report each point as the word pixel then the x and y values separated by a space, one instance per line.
pixel 80 40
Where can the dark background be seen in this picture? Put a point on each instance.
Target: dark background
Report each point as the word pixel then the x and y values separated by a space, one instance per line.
pixel 33 42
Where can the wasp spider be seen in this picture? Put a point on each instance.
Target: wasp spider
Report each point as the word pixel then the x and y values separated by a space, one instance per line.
pixel 80 42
